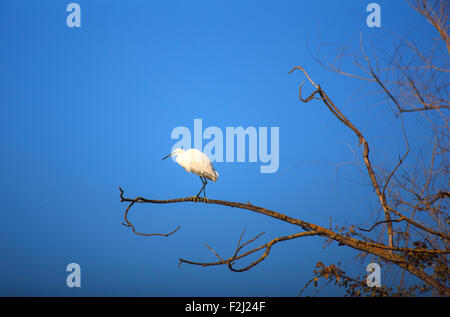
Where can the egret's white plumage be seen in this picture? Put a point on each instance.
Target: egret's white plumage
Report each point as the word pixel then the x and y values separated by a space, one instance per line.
pixel 195 161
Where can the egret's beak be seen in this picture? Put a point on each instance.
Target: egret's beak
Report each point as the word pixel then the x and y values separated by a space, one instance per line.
pixel 167 156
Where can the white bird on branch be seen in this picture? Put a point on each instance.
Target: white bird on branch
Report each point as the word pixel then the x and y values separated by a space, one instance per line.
pixel 196 162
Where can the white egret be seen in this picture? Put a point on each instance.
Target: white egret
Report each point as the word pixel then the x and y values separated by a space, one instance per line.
pixel 195 161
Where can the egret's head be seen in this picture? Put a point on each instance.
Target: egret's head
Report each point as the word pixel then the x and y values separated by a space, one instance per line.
pixel 174 153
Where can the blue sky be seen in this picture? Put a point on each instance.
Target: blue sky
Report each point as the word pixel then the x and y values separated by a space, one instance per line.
pixel 85 110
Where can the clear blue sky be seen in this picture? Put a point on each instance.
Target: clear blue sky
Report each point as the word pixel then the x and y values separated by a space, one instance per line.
pixel 85 110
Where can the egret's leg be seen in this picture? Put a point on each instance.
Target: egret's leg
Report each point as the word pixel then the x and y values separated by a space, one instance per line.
pixel 204 190
pixel 204 184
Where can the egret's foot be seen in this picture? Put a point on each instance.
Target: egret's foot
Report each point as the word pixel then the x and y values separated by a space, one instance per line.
pixel 196 198
pixel 205 200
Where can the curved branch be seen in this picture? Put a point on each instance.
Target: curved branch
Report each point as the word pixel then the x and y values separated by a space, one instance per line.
pixel 382 251
pixel 380 192
pixel 330 105
pixel 230 261
pixel 375 248
pixel 128 224
pixel 380 222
